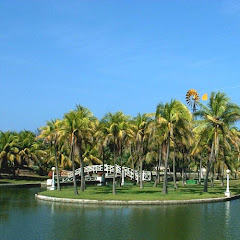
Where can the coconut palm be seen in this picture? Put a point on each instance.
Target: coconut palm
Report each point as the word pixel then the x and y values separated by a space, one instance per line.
pixel 9 150
pixel 157 138
pixel 182 135
pixel 101 138
pixel 218 117
pixel 115 129
pixel 142 133
pixel 78 128
pixel 171 116
pixel 51 135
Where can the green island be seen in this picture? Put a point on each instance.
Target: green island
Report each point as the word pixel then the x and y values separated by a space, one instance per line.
pixel 159 153
pixel 133 192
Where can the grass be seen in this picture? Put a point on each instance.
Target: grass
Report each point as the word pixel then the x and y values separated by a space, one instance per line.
pixel 23 179
pixel 131 192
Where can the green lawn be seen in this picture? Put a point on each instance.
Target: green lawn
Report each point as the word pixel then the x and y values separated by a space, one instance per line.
pixel 23 179
pixel 131 192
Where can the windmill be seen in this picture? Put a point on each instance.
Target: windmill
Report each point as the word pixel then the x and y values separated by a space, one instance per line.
pixel 192 99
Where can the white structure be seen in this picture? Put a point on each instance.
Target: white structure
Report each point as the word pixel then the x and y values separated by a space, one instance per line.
pixel 228 193
pixel 53 180
pixel 49 182
pixel 123 175
pixel 109 170
pixel 203 172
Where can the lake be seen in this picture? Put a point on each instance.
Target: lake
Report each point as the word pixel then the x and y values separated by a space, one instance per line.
pixel 22 217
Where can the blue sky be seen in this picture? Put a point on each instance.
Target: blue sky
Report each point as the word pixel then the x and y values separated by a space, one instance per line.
pixel 112 55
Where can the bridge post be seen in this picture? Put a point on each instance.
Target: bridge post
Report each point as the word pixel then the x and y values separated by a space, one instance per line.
pixel 123 175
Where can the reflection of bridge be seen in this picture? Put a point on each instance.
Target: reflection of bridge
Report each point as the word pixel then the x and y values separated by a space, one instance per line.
pixel 89 171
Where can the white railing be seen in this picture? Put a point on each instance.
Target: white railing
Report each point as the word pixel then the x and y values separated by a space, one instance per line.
pixel 109 171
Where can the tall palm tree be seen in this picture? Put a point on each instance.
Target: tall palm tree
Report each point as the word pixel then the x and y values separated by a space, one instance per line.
pixel 171 116
pixel 181 135
pixel 51 135
pixel 114 127
pixel 157 140
pixel 142 133
pixel 68 126
pixel 101 138
pixel 78 127
pixel 218 116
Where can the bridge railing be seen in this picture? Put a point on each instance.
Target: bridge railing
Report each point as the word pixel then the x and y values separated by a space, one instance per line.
pixel 109 170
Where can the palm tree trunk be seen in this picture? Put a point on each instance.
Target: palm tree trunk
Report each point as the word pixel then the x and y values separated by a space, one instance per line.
pixel 174 168
pixel 73 167
pixel 138 171
pixel 212 177
pixel 183 169
pixel 114 171
pixel 57 169
pixel 0 168
pixel 209 162
pixel 200 171
pixel 133 167
pixel 83 186
pixel 165 190
pixel 141 171
pixel 218 172
pixel 158 166
pixel 182 176
pixel 103 174
pixel 222 174
pixel 120 182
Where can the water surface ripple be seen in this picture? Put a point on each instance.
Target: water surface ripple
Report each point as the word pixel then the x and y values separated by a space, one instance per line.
pixel 22 217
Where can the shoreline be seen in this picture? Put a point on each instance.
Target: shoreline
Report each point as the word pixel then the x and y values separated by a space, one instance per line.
pixel 22 185
pixel 135 202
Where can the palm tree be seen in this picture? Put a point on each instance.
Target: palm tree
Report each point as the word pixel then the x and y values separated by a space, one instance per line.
pixel 200 149
pixel 157 139
pixel 78 127
pixel 68 127
pixel 25 142
pixel 218 116
pixel 181 136
pixel 101 138
pixel 142 133
pixel 114 127
pixel 172 117
pixel 51 135
pixel 9 150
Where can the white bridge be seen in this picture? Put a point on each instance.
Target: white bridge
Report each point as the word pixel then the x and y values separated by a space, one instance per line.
pixel 109 172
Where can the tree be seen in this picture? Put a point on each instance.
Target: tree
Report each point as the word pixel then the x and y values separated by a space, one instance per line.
pixel 9 150
pixel 78 128
pixel 115 129
pixel 172 117
pixel 51 135
pixel 142 133
pixel 218 117
pixel 101 138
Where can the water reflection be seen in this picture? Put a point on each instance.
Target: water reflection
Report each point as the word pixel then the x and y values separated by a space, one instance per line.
pixel 227 211
pixel 24 217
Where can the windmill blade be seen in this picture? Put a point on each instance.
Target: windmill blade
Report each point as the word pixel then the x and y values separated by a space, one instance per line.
pixel 205 97
pixel 192 97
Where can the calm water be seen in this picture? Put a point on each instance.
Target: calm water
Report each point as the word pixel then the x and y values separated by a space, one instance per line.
pixel 22 217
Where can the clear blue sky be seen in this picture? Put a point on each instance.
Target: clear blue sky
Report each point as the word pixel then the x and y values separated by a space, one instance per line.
pixel 112 55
